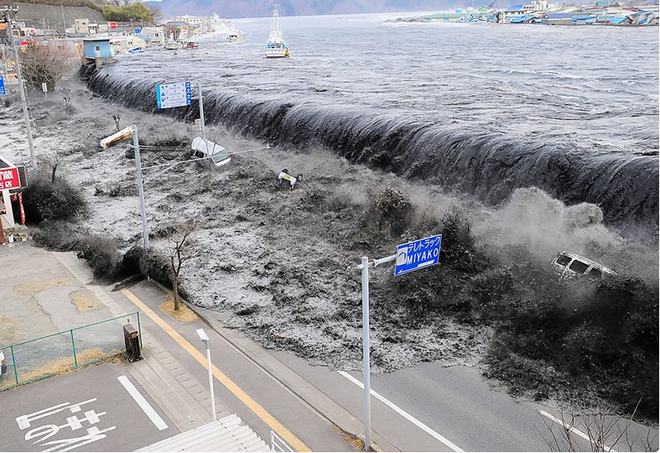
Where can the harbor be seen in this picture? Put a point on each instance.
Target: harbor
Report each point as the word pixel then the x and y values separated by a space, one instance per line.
pixel 601 13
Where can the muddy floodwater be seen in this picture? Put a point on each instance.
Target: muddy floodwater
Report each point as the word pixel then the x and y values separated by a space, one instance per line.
pixel 478 108
pixel 514 142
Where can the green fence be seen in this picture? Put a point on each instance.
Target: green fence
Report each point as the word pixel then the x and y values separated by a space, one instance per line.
pixel 59 352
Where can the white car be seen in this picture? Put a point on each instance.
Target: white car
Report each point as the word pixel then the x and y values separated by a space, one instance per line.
pixel 572 264
pixel 3 363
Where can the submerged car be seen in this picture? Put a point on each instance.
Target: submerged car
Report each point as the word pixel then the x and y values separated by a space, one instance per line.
pixel 572 264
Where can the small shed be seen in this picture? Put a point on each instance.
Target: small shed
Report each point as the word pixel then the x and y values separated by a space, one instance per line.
pixel 98 50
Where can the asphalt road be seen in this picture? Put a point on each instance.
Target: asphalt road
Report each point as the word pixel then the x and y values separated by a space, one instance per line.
pixel 98 408
pixel 281 403
pixel 434 408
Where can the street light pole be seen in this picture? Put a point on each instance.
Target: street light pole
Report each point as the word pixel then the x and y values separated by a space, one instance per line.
pixel 205 339
pixel 140 182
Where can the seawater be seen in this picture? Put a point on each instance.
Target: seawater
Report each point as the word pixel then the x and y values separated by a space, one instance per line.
pixel 480 108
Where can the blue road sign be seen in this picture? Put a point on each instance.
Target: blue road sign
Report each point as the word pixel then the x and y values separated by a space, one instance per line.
pixel 417 254
pixel 2 86
pixel 173 95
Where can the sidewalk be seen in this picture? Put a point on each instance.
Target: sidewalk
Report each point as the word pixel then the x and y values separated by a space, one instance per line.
pixel 180 395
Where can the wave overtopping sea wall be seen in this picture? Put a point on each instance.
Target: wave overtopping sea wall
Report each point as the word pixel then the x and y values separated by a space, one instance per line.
pixel 488 165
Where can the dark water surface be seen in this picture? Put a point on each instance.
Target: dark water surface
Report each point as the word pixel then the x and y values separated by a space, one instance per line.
pixel 479 108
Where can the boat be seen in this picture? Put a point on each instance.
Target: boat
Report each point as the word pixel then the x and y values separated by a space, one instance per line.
pixel 234 35
pixel 276 46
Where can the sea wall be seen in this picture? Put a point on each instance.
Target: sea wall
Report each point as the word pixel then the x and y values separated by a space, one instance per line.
pixel 488 165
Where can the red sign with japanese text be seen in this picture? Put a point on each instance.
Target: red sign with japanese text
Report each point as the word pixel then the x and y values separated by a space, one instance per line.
pixel 9 178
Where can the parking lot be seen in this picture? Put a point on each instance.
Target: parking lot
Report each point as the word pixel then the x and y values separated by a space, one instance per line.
pixel 99 408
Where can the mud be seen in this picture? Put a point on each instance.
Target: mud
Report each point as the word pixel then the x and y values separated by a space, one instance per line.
pixel 283 261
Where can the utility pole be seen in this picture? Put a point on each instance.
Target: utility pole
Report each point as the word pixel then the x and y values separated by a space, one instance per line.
pixel 63 21
pixel 201 112
pixel 4 63
pixel 140 183
pixel 8 15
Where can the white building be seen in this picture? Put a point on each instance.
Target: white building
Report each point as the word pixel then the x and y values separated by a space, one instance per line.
pixel 153 36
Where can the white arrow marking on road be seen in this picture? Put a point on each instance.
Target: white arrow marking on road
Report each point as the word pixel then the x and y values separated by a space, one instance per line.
pixel 405 414
pixel 143 403
pixel 572 429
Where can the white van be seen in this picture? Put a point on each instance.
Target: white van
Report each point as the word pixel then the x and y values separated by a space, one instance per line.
pixel 206 149
pixel 572 264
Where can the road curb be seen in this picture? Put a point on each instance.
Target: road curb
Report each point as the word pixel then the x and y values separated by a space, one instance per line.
pixel 317 400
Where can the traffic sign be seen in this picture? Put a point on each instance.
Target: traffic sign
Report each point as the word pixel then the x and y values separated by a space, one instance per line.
pixel 417 254
pixel 2 86
pixel 170 95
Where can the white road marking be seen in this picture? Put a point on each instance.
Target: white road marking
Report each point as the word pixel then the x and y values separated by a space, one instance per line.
pixel 572 429
pixel 143 403
pixel 405 414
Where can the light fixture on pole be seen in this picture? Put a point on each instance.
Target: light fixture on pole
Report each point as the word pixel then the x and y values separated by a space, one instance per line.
pixel 205 339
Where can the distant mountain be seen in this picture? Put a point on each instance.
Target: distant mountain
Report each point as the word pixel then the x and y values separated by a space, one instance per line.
pixel 256 8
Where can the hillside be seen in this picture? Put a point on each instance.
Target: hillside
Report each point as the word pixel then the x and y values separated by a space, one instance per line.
pixel 256 8
pixel 50 13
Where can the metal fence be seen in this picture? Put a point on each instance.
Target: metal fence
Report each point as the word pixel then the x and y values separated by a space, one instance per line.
pixel 277 444
pixel 59 352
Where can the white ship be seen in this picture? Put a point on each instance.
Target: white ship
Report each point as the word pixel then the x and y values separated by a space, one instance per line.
pixel 234 35
pixel 276 46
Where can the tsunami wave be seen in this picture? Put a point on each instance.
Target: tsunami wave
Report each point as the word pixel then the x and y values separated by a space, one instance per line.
pixel 488 165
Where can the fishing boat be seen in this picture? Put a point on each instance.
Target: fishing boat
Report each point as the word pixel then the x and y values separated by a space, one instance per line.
pixel 276 46
pixel 234 35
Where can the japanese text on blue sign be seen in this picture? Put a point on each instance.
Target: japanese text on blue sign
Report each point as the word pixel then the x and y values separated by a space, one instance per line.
pixel 417 254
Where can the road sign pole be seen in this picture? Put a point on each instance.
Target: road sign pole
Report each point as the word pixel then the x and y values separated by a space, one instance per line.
pixel 366 365
pixel 21 88
pixel 138 171
pixel 201 112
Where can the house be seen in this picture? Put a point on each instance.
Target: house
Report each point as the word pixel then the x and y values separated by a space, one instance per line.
pixel 524 19
pixel 81 26
pixel 153 36
pixel 125 44
pixel 583 19
pixel 614 20
pixel 559 19
pixel 98 50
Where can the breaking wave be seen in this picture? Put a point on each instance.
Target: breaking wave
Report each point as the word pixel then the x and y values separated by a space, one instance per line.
pixel 488 165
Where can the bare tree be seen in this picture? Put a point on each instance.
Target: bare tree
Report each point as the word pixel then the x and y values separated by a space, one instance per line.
pixel 117 119
pixel 604 432
pixel 44 64
pixel 52 160
pixel 182 248
pixel 68 108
